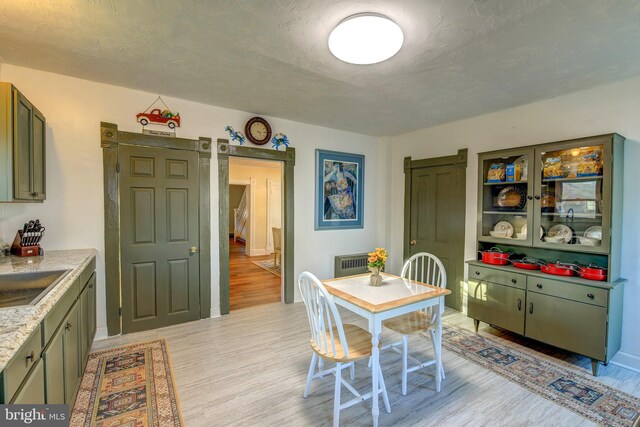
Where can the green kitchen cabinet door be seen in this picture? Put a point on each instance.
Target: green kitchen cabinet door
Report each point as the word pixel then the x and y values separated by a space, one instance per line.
pixel 32 390
pixel 38 156
pixel 84 326
pixel 497 305
pixel 567 324
pixel 91 321
pixel 22 137
pixel 53 357
pixel 71 354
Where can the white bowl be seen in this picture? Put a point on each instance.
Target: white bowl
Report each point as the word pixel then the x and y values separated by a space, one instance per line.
pixel 503 234
pixel 522 236
pixel 588 241
pixel 554 239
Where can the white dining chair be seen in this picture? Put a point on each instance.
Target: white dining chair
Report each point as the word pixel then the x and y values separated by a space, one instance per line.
pixel 332 341
pixel 426 268
pixel 277 247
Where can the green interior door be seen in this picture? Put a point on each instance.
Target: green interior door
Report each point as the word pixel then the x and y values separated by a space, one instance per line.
pixel 159 220
pixel 437 221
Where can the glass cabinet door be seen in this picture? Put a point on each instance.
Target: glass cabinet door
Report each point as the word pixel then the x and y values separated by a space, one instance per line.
pixel 505 208
pixel 571 197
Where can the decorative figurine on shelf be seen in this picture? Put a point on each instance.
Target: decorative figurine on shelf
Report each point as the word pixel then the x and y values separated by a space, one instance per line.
pixel 278 140
pixel 235 136
pixel 377 259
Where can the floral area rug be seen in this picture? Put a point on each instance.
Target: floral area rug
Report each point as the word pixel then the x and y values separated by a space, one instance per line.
pixel 128 386
pixel 556 381
pixel 267 264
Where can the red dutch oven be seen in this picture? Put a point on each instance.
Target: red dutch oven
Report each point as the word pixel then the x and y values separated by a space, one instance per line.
pixel 559 269
pixel 527 263
pixel 593 272
pixel 495 256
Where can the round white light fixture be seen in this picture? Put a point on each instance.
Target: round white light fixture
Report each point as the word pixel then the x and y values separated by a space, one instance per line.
pixel 365 38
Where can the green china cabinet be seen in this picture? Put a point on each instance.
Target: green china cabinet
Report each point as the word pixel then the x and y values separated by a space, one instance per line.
pixel 559 201
pixel 22 148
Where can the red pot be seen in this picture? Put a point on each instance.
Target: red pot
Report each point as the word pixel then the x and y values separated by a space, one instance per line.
pixel 495 256
pixel 559 269
pixel 527 263
pixel 593 272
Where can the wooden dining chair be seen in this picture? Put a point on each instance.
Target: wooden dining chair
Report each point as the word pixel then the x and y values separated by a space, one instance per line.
pixel 426 268
pixel 334 342
pixel 277 250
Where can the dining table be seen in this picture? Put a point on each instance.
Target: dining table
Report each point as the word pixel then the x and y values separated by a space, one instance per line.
pixel 395 297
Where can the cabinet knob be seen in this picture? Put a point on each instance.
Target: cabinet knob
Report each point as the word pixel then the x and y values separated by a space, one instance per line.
pixel 413 242
pixel 514 281
pixel 529 197
pixel 539 286
pixel 519 304
pixel 477 273
pixel 537 197
pixel 31 357
pixel 68 326
pixel 591 296
pixel 530 308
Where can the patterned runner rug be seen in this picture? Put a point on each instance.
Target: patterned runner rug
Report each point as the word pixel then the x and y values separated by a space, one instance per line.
pixel 554 380
pixel 131 385
pixel 267 264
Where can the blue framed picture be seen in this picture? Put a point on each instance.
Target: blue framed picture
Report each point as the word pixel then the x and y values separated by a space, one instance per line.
pixel 339 190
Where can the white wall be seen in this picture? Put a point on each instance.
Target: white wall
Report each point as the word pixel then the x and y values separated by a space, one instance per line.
pixel 73 211
pixel 610 108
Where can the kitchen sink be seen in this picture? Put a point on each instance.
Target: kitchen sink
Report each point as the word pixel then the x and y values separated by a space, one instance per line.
pixel 23 289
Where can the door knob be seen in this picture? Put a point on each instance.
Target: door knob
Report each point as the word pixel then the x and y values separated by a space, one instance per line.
pixel 193 250
pixel 413 242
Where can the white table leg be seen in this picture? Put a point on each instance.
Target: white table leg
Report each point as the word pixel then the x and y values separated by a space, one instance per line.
pixel 374 327
pixel 438 344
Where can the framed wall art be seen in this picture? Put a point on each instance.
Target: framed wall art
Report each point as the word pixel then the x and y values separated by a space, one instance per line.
pixel 339 190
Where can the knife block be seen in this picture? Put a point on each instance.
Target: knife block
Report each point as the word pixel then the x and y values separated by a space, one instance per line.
pixel 28 250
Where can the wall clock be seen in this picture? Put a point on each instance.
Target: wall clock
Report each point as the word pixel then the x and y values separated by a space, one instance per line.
pixel 258 130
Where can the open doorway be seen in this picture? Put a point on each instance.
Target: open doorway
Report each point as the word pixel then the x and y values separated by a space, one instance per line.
pixel 255 232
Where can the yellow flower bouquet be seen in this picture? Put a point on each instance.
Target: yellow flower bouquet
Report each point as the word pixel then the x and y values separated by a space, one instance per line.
pixel 377 259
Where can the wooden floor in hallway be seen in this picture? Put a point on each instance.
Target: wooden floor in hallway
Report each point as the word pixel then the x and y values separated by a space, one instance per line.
pixel 249 369
pixel 250 285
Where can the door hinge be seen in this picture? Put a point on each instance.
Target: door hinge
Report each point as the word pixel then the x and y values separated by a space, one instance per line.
pixel 120 311
pixel 117 167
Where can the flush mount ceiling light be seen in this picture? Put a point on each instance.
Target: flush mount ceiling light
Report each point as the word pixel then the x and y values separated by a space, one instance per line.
pixel 365 38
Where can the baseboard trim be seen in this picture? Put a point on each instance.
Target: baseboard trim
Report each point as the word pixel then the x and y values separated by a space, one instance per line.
pixel 626 360
pixel 258 252
pixel 101 334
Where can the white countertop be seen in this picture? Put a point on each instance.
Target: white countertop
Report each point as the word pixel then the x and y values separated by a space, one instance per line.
pixel 17 323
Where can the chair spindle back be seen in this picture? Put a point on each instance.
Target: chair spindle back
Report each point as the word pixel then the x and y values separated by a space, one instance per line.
pixel 322 314
pixel 426 268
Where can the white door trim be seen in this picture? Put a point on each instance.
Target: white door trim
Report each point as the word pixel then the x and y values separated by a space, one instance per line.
pixel 271 185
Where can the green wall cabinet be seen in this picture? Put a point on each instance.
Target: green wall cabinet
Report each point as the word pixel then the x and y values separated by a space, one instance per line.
pixel 49 366
pixel 22 148
pixel 560 201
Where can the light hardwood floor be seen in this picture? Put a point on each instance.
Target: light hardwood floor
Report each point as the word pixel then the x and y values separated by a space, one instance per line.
pixel 249 368
pixel 250 285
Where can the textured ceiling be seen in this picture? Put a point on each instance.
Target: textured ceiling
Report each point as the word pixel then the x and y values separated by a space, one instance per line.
pixel 461 57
